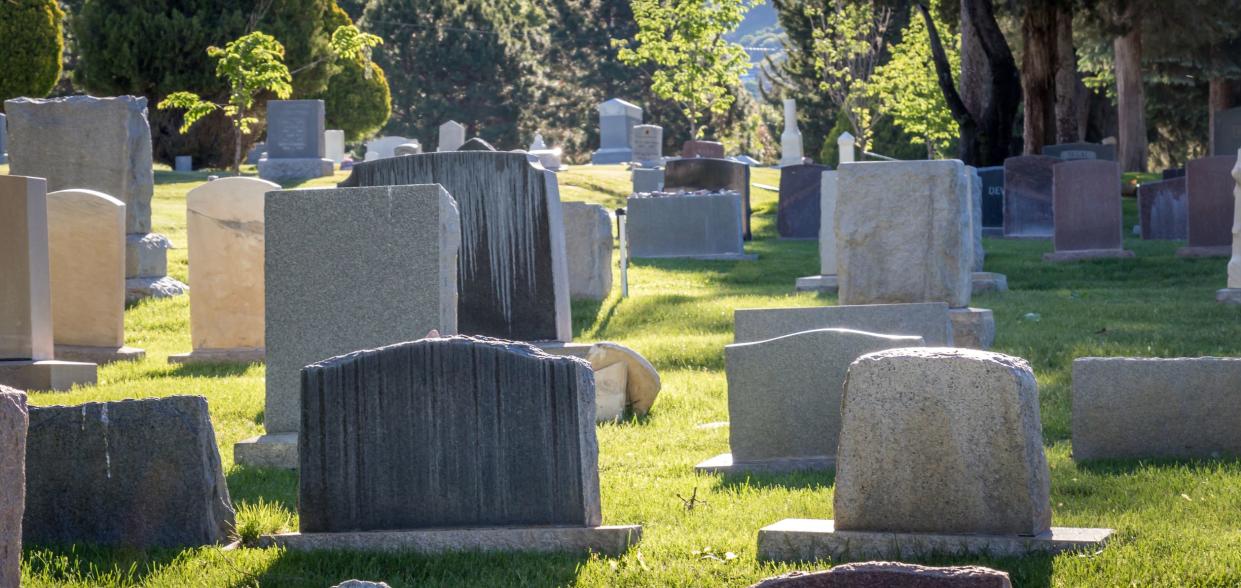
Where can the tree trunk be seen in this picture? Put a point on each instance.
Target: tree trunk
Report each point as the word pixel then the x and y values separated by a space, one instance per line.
pixel 1223 94
pixel 994 94
pixel 1038 75
pixel 1130 97
pixel 237 144
pixel 1069 87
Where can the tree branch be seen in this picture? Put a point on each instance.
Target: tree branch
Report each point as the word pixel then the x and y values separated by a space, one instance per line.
pixel 943 72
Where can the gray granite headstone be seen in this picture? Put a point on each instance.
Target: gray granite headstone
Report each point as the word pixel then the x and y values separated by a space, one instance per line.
pixel 4 140
pixel 349 269
pixel 685 226
pixel 647 179
pixel 1028 196
pixel 1074 151
pixel 513 269
pixel 1211 201
pixel 928 320
pixel 132 473
pixel 1163 209
pixel 616 121
pixel 1227 132
pixel 711 174
pixel 648 145
pixel 13 423
pixel 1087 206
pixel 588 234
pixel 992 197
pixel 448 432
pixel 295 129
pixel 1173 172
pixel 259 151
pixel 184 163
pixel 798 210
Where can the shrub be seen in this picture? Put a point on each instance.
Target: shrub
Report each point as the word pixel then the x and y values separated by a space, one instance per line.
pixel 33 42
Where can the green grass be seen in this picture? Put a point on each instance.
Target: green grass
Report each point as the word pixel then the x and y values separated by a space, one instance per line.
pixel 1178 523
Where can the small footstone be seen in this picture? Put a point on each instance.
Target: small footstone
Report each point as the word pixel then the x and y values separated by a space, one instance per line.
pixel 891 575
pixel 13 422
pixel 972 328
pixel 361 584
pixel 1228 296
pixel 989 282
pixel 821 283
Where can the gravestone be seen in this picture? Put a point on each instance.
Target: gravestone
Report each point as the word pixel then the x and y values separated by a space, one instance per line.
pixel 138 474
pixel 1173 172
pixel 668 225
pixel 588 234
pixel 647 179
pixel 801 195
pixel 384 147
pixel 974 185
pixel 257 152
pixel 502 436
pixel 1028 196
pixel 411 148
pixel 548 157
pixel 334 145
pixel 1210 184
pixel 642 383
pixel 26 345
pixel 1163 209
pixel 13 422
pixel 101 144
pixel 224 219
pixel 328 292
pixel 296 148
pixel 826 280
pixel 891 575
pixel 476 144
pixel 183 163
pixel 86 250
pixel 711 175
pixel 1076 151
pixel 1118 402
pixel 648 146
pixel 4 140
pixel 927 320
pixel 1232 293
pixel 616 121
pixel 514 279
pixel 790 139
pixel 1226 136
pixel 1087 210
pixel 712 149
pixel 451 136
pixel 784 398
pixel 992 200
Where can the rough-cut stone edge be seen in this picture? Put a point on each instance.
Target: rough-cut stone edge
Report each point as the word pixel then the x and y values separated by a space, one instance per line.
pixel 989 282
pixel 51 375
pixel 896 575
pixel 814 539
pixel 1216 251
pixel 724 464
pixel 98 355
pixel 605 540
pixel 1228 296
pixel 278 450
pixel 18 413
pixel 820 283
pixel 154 287
pixel 973 328
pixel 1080 254
pixel 200 356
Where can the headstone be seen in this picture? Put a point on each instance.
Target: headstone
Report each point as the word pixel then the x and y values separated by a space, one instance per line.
pixel 647 179
pixel 648 145
pixel 13 423
pixel 588 234
pixel 711 174
pixel 790 139
pixel 334 145
pixel 711 149
pixel 928 320
pixel 707 226
pixel 891 575
pixel 4 140
pixel 224 220
pixel 548 157
pixel 134 473
pixel 86 246
pixel 1163 209
pixel 1155 408
pixel 296 149
pixel 1028 196
pixel 1226 135
pixel 784 397
pixel 616 121
pixel 992 200
pixel 513 271
pixel 1075 151
pixel 975 192
pixel 1232 293
pixel 476 144
pixel 412 148
pixel 538 144
pixel 184 163
pixel 1087 210
pixel 384 147
pixel 26 345
pixel 801 195
pixel 826 280
pixel 903 232
pixel 257 152
pixel 1210 185
pixel 329 292
pixel 642 383
pixel 451 136
pixel 1173 172
pixel 101 144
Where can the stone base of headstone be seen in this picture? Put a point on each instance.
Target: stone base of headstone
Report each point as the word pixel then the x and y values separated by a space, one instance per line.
pixel 989 282
pixel 563 348
pixel 724 464
pixel 153 287
pixel 47 374
pixel 648 179
pixel 1220 251
pixel 608 156
pixel 1084 254
pixel 1228 296
pixel 712 257
pixel 609 541
pixel 198 356
pixel 268 451
pixel 98 355
pixel 294 170
pixel 972 328
pixel 829 284
pixel 817 539
pixel 996 232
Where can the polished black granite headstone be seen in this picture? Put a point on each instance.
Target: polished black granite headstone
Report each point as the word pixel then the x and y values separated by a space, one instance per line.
pixel 704 173
pixel 798 212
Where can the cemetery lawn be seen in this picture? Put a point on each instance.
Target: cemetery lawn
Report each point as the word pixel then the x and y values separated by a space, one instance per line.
pixel 1178 523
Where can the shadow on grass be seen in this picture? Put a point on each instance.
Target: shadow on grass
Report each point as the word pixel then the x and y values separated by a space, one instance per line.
pixel 809 480
pixel 329 568
pixel 1193 467
pixel 212 369
pixel 271 485
pixel 61 564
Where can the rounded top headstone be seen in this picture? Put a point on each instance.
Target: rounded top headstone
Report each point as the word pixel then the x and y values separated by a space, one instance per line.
pixel 643 381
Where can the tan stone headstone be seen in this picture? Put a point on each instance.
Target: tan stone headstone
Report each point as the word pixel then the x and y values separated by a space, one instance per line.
pixel 610 395
pixel 642 381
pixel 25 287
pixel 86 241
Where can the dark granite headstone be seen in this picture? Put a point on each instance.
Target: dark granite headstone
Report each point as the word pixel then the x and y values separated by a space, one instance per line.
pixel 13 421
pixel 992 197
pixel 1210 186
pixel 256 153
pixel 1173 172
pixel 133 473
pixel 797 215
pixel 448 432
pixel 513 271
pixel 712 149
pixel 704 173
pixel 1028 196
pixel 295 129
pixel 476 144
pixel 1087 205
pixel 1075 151
pixel 1227 132
pixel 1163 209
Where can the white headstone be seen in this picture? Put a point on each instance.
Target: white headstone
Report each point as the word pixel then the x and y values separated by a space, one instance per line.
pixel 827 224
pixel 846 144
pixel 790 139
pixel 452 136
pixel 334 145
pixel 86 244
pixel 538 144
pixel 383 147
pixel 648 145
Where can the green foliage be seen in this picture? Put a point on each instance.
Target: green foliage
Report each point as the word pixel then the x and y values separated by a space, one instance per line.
pixel 357 103
pixel 908 90
pixel 849 39
pixel 31 44
pixel 694 65
pixel 194 106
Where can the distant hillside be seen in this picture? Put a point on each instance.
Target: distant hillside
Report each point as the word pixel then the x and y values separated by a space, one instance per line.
pixel 761 30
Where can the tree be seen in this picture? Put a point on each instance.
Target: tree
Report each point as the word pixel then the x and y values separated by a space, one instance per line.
pixel 908 91
pixel 31 51
pixel 849 41
pixel 695 66
pixel 1039 62
pixel 357 100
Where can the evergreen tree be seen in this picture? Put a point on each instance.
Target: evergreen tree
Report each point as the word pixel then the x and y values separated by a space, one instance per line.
pixel 31 50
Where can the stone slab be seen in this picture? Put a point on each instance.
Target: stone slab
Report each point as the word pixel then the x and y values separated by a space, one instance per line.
pixel 972 328
pixel 1156 408
pixel 1163 209
pixel 576 349
pixel 47 374
pixel 1081 255
pixel 1081 151
pixel 685 226
pixel 26 292
pixel 648 145
pixel 793 540
pixel 828 197
pixel 295 130
pixel 647 179
pixel 827 284
pixel 1226 135
pixel 617 119
pixel 1210 184
pixel 1028 196
pixel 642 382
pixel 154 287
pixel 798 210
pixel 983 282
pixel 588 235
pixel 146 254
pixel 451 136
pixel 476 144
pixel 267 451
pixel 928 320
pixel 14 420
pixel 610 541
pixel 1217 251
pixel 1228 296
pixel 334 145
pixel 714 175
pixel 86 244
pixel 725 464
pixel 383 147
pixel 992 199
pixel 891 575
pixel 712 149
pixel 974 183
pixel 284 171
pixel 1087 206
pixel 98 355
pixel 201 356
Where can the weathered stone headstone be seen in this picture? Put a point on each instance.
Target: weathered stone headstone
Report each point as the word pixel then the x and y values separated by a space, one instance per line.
pixel 826 280
pixel 26 344
pixel 1087 210
pixel 642 383
pixel 548 157
pixel 992 200
pixel 1232 293
pixel 712 149
pixel 224 219
pixel 588 234
pixel 513 269
pixel 712 175
pixel 344 271
pixel 648 145
pixel 296 148
pixel 891 575
pixel 134 473
pixel 1076 151
pixel 1226 136
pixel 974 185
pixel 451 136
pixel 476 144
pixel 86 247
pixel 927 320
pixel 801 195
pixel 1210 184
pixel 647 179
pixel 411 148
pixel 1028 196
pixel 784 397
pixel 698 226
pixel 334 145
pixel 384 147
pixel 257 152
pixel 616 121
pixel 1155 408
pixel 183 163
pixel 1173 172
pixel 13 423
pixel 4 139
pixel 1163 209
pixel 790 139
